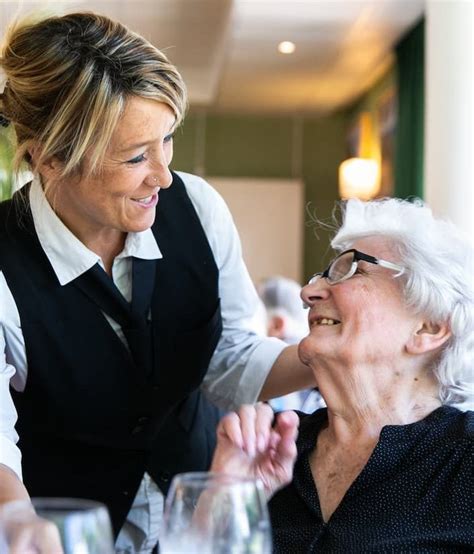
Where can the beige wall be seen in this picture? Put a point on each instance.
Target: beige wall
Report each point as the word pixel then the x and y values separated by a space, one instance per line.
pixel 268 214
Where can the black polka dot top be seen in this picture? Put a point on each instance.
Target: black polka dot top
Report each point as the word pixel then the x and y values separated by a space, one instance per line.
pixel 415 494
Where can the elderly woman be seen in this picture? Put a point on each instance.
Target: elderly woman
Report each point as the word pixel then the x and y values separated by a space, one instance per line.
pixel 387 467
pixel 118 283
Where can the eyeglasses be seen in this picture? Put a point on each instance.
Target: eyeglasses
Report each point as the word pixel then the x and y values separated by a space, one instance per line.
pixel 345 265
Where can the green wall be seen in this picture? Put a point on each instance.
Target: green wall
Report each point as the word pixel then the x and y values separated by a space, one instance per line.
pixel 249 146
pixel 310 148
pixel 235 145
pixel 184 142
pixel 324 148
pixel 6 156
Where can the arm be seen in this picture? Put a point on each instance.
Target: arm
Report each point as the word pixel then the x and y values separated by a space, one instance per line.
pixel 248 446
pixel 11 486
pixel 287 374
pixel 240 367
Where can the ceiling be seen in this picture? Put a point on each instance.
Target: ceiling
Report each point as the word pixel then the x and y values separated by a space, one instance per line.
pixel 227 52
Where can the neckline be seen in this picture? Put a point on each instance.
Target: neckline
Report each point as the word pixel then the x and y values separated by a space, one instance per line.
pixel 400 431
pixel 397 432
pixel 313 424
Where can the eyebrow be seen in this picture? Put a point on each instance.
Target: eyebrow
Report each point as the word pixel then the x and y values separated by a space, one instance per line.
pixel 141 144
pixel 138 145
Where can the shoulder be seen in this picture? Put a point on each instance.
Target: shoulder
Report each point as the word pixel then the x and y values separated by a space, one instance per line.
pixel 454 424
pixel 445 438
pixel 204 197
pixel 462 432
pixel 14 212
pixel 465 421
pixel 214 216
pixel 5 209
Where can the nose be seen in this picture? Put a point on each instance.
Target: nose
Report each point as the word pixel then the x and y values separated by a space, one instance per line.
pixel 319 290
pixel 160 176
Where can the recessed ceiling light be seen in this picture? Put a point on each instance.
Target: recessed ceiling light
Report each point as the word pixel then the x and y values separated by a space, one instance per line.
pixel 286 47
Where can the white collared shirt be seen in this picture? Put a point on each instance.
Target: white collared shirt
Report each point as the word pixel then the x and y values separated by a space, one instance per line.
pixel 241 361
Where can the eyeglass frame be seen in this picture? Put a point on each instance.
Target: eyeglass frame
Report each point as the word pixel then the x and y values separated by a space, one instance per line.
pixel 357 257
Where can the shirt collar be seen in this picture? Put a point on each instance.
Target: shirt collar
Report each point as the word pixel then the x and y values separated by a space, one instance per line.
pixel 68 256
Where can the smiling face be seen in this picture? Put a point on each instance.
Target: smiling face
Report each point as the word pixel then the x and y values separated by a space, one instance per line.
pixel 362 320
pixel 123 196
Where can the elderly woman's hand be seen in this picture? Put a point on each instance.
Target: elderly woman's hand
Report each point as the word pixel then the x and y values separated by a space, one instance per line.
pixel 248 446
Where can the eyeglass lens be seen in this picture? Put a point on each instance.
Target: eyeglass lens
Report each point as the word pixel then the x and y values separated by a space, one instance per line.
pixel 341 267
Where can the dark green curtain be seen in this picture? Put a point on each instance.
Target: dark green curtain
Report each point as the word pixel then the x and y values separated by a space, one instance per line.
pixel 410 54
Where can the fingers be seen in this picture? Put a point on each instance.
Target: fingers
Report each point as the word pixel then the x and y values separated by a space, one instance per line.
pixel 249 446
pixel 36 536
pixel 229 430
pixel 286 431
pixel 248 418
pixel 256 424
pixel 287 425
pixel 49 540
pixel 22 542
pixel 250 432
pixel 249 429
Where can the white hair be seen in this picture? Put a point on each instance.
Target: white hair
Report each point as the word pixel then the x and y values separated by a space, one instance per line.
pixel 439 282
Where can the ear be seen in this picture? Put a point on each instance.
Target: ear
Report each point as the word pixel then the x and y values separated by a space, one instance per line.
pixel 276 327
pixel 428 337
pixel 50 168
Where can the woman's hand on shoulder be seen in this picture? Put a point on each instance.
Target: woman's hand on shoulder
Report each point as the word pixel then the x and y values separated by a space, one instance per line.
pixel 249 446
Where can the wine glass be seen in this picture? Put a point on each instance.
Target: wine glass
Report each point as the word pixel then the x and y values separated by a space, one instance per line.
pixel 210 513
pixel 80 526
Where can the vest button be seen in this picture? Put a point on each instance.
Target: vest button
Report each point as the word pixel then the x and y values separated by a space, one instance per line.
pixel 141 422
pixel 125 493
pixel 165 476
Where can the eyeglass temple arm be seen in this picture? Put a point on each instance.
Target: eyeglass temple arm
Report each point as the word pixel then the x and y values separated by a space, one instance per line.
pixel 378 261
pixel 389 265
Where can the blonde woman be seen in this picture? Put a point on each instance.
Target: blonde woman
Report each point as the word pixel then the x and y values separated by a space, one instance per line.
pixel 122 288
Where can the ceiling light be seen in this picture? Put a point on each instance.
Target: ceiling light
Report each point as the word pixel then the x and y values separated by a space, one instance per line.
pixel 286 47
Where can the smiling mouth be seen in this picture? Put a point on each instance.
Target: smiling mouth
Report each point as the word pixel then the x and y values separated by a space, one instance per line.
pixel 324 321
pixel 145 201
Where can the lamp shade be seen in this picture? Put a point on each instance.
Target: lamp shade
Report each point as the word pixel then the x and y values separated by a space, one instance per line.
pixel 359 178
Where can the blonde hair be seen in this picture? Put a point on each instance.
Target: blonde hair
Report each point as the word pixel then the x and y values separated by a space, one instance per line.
pixel 68 80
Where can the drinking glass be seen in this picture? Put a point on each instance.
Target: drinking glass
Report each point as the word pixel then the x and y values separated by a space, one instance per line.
pixel 209 513
pixel 83 525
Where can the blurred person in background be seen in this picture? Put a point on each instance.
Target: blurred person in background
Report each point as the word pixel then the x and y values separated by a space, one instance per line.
pixel 286 319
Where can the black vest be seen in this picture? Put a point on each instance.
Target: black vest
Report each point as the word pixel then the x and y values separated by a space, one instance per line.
pixel 90 421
